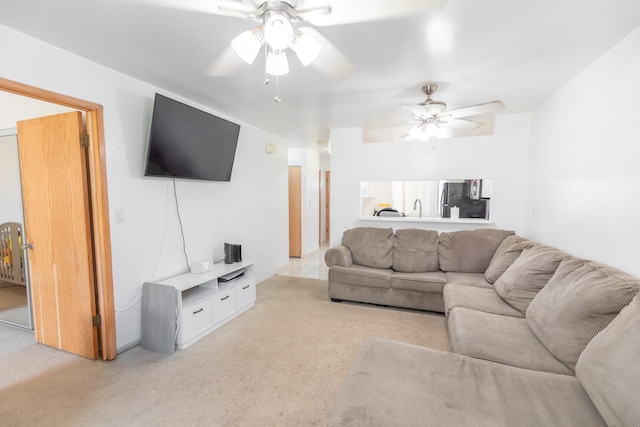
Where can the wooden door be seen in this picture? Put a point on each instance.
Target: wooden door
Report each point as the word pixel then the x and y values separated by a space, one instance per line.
pixel 53 167
pixel 327 201
pixel 295 211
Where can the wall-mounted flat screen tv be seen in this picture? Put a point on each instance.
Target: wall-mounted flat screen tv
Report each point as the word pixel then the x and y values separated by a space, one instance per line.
pixel 186 142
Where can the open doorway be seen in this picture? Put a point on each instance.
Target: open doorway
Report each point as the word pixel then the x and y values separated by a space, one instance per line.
pixel 99 234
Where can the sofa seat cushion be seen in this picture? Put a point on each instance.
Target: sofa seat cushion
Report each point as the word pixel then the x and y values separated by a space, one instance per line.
pixel 396 384
pixel 481 299
pixel 415 251
pixel 469 251
pixel 358 275
pixel 579 301
pixel 370 246
pixel 502 339
pixel 609 371
pixel 422 282
pixel 529 273
pixel 506 253
pixel 468 279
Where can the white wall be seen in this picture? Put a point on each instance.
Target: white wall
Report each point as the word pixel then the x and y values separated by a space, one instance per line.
pixel 10 192
pixel 250 210
pixel 310 242
pixel 585 159
pixel 14 108
pixel 501 157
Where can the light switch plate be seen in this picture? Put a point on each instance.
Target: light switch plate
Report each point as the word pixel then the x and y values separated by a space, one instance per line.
pixel 120 215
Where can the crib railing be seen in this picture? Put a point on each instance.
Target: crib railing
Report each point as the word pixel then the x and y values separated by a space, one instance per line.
pixel 11 257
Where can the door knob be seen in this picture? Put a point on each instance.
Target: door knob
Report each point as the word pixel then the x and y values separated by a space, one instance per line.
pixel 27 246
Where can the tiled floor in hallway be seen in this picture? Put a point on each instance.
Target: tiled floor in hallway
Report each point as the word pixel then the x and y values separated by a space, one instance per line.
pixel 311 266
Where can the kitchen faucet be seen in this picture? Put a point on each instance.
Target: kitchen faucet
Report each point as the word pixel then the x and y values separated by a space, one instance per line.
pixel 414 207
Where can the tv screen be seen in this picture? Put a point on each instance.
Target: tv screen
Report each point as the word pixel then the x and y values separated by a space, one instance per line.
pixel 189 143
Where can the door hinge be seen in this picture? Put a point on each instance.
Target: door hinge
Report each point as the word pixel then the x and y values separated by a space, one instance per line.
pixel 84 140
pixel 96 321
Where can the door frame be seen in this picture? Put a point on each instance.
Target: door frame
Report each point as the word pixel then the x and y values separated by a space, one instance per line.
pixel 101 236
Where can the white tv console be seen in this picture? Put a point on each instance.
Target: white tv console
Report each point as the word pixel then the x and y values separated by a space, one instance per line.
pixel 178 311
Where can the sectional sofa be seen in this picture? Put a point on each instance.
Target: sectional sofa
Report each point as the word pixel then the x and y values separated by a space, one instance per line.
pixel 538 337
pixel 410 267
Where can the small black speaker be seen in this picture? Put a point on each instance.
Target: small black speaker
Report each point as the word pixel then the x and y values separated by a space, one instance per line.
pixel 232 253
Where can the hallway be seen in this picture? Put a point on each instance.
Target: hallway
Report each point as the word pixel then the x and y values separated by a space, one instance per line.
pixel 310 266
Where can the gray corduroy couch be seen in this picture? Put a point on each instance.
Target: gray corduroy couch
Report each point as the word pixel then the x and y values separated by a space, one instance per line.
pixel 546 339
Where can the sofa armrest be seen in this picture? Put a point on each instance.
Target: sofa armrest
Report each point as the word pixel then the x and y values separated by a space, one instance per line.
pixel 338 255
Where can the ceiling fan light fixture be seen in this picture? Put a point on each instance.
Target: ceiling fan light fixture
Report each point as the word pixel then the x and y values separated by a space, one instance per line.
pixel 418 133
pixel 247 45
pixel 431 129
pixel 277 64
pixel 306 47
pixel 425 130
pixel 278 30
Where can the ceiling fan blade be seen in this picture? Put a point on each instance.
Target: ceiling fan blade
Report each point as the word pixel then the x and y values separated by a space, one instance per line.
pixel 462 124
pixel 384 133
pixel 355 11
pixel 417 110
pixel 242 9
pixel 305 15
pixel 331 60
pixel 474 110
pixel 226 64
pixel 403 123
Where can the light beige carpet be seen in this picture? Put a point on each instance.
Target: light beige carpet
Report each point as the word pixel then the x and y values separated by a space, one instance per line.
pixel 281 363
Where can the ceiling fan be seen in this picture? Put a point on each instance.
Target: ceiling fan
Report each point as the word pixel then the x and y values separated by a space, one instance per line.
pixel 431 116
pixel 287 24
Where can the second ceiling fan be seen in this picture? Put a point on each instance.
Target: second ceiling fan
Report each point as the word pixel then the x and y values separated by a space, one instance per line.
pixel 431 117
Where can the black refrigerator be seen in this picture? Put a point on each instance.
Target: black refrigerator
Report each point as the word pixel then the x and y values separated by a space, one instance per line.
pixel 457 194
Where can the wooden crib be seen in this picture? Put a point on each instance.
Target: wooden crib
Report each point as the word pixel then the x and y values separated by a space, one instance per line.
pixel 11 257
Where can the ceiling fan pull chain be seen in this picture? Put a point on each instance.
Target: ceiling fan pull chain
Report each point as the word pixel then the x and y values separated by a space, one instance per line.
pixel 277 97
pixel 266 77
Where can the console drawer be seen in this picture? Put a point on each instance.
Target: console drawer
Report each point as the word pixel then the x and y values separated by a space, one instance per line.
pixel 224 305
pixel 197 318
pixel 245 294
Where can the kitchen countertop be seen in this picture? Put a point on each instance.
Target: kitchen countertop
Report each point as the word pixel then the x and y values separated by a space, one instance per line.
pixel 431 220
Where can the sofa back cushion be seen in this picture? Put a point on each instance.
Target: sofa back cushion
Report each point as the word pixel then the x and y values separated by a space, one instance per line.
pixel 609 371
pixel 415 251
pixel 579 301
pixel 527 275
pixel 506 253
pixel 370 246
pixel 469 251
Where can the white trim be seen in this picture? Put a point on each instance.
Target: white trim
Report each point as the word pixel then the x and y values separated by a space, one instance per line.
pixel 9 131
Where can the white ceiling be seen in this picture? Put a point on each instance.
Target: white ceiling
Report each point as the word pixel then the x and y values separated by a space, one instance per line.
pixel 517 51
